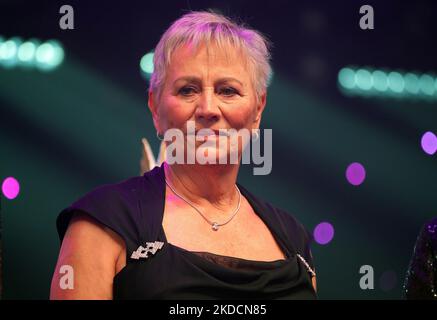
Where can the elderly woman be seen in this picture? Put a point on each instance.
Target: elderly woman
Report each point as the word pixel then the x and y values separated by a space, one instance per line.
pixel 189 231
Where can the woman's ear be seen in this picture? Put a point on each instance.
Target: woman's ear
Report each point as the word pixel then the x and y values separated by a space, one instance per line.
pixel 153 109
pixel 260 108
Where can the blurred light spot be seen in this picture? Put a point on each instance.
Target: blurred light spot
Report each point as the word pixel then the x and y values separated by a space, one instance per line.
pixel 26 52
pixel 313 67
pixel 426 84
pixel 323 233
pixel 49 55
pixel 411 83
pixel 346 78
pixel 355 173
pixel 363 79
pixel 380 80
pixel 146 63
pixel 429 143
pixel 388 280
pixel 10 188
pixel 313 21
pixel 45 56
pixel 379 83
pixel 396 82
pixel 270 79
pixel 8 52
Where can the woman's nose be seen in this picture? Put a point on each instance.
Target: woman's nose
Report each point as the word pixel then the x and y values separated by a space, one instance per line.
pixel 208 108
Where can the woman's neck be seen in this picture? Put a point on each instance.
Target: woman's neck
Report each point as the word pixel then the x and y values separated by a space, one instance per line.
pixel 205 185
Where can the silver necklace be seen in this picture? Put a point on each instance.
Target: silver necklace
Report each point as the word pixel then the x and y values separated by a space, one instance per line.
pixel 215 225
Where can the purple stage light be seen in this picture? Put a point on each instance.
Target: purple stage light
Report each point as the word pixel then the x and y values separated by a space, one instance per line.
pixel 355 173
pixel 323 233
pixel 10 188
pixel 388 280
pixel 429 143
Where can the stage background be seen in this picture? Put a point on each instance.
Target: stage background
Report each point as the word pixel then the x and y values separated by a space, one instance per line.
pixel 67 131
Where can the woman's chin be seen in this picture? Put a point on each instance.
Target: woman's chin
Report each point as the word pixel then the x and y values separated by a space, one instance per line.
pixel 213 155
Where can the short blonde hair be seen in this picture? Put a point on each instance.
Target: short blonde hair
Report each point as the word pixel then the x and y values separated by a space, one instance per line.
pixel 198 27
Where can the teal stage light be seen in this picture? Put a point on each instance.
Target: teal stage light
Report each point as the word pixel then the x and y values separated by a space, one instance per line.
pixel 346 78
pixel 15 52
pixel 8 52
pixel 365 81
pixel 146 65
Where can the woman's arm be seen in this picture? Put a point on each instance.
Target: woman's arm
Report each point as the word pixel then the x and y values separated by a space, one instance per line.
pixel 92 251
pixel 314 284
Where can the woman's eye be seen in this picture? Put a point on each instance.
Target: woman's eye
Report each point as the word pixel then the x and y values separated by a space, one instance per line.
pixel 228 91
pixel 187 91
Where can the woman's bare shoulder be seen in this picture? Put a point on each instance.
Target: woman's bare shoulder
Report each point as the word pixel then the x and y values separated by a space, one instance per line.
pixel 91 251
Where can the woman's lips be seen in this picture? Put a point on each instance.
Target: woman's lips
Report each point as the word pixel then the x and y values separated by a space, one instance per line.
pixel 210 132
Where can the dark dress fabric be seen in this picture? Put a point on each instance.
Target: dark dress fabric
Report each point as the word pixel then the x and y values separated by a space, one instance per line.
pixel 133 208
pixel 421 280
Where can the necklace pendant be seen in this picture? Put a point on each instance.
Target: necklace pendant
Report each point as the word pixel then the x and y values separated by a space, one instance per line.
pixel 215 226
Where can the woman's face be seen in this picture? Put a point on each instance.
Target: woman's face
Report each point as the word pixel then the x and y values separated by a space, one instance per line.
pixel 212 89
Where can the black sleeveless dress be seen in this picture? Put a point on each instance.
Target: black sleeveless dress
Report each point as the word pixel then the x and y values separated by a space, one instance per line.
pixel 134 209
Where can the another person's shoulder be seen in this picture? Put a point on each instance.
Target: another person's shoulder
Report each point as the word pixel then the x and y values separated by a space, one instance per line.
pixel 430 228
pixel 419 282
pixel 427 238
